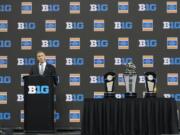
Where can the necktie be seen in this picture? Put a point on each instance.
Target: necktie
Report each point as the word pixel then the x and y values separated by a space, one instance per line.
pixel 41 69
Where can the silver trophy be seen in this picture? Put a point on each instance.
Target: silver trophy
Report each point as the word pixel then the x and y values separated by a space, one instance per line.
pixel 130 77
pixel 150 78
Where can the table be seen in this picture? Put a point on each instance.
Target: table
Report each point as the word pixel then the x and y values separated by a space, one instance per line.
pixel 138 116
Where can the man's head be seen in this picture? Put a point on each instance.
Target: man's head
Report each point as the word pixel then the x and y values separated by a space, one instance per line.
pixel 41 56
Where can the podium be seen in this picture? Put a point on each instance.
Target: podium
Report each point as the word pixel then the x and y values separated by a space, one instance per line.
pixel 38 104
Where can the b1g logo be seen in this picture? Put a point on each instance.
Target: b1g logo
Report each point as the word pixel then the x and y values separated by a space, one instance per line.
pixel 74 25
pixel 123 25
pixel 50 43
pixel 50 7
pixel 26 26
pixel 25 61
pixel 75 61
pixel 147 7
pixel 74 97
pixel 5 8
pixel 98 7
pixel 5 115
pixel 99 43
pixel 38 89
pixel 150 43
pixel 5 43
pixel 96 79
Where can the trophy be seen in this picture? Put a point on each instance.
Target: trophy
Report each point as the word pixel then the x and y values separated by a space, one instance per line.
pixel 109 79
pixel 150 83
pixel 130 77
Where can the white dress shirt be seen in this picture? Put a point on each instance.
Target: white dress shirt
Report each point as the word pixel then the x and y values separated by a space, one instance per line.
pixel 43 69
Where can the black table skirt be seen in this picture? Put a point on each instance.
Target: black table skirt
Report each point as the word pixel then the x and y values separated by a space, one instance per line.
pixel 152 116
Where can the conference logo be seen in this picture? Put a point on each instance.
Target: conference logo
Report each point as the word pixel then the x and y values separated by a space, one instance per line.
pixel 51 60
pixel 99 7
pixel 3 25
pixel 176 96
pixel 147 7
pixel 167 25
pixel 99 61
pixel 74 43
pixel 74 79
pixel 3 61
pixel 171 7
pixel 50 25
pixel 5 43
pixel 74 61
pixel 74 116
pixel 74 97
pixel 99 25
pixel 26 43
pixel 26 26
pixel 3 98
pixel 123 25
pixel 22 80
pixel 50 43
pixel 172 42
pixel 50 7
pixel 122 60
pixel 26 7
pixel 148 61
pixel 96 79
pixel 38 89
pixel 74 8
pixel 5 79
pixel 123 7
pixel 171 61
pixel 25 61
pixel 5 8
pixel 147 25
pixel 5 116
pixel 74 25
pixel 101 43
pixel 172 79
pixel 123 43
pixel 149 43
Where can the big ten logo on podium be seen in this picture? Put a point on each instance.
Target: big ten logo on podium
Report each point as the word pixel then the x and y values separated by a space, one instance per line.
pixel 25 61
pixel 101 43
pixel 38 89
pixel 50 43
pixel 75 61
pixel 98 7
pixel 5 43
pixel 122 60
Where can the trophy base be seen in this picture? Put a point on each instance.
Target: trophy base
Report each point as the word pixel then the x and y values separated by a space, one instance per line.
pixel 109 94
pixel 150 94
pixel 130 95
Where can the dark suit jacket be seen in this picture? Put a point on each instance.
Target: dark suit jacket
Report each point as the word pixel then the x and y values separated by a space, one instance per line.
pixel 49 71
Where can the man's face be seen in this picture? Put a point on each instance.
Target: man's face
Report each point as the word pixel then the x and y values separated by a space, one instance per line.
pixel 41 57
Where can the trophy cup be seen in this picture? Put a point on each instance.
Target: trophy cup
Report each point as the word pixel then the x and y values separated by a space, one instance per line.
pixel 150 84
pixel 109 79
pixel 130 77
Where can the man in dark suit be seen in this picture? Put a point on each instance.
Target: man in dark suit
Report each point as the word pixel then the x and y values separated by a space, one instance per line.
pixel 43 68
